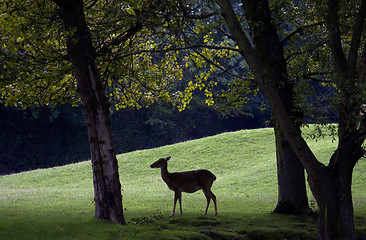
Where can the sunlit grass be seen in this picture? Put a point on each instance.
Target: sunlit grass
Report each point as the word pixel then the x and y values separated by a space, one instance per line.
pixel 57 203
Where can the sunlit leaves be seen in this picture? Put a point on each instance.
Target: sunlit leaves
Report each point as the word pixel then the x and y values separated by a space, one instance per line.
pixel 136 66
pixel 215 63
pixel 141 76
pixel 36 69
pixel 206 61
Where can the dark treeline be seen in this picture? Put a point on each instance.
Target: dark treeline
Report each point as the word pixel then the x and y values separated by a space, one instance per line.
pixel 40 138
pixel 47 137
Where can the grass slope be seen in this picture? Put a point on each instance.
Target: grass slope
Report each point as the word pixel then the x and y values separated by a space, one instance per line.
pixel 57 203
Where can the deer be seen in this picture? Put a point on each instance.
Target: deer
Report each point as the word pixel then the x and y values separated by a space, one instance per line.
pixel 189 182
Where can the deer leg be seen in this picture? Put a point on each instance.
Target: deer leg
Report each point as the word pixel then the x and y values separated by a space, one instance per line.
pixel 177 196
pixel 180 202
pixel 209 195
pixel 175 202
pixel 208 202
pixel 214 200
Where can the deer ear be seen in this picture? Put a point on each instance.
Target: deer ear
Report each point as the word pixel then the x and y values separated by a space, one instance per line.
pixel 167 159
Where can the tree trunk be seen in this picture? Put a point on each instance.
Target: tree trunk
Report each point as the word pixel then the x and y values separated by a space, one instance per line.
pixel 332 191
pixel 107 187
pixel 345 203
pixel 292 198
pixel 337 193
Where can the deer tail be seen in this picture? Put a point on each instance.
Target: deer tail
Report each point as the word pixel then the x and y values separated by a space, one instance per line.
pixel 209 175
pixel 213 176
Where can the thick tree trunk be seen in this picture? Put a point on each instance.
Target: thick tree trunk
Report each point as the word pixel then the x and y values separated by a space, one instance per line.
pixel 325 194
pixel 107 187
pixel 292 198
pixel 332 191
pixel 344 196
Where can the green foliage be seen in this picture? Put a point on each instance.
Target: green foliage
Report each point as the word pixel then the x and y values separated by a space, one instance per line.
pixel 57 203
pixel 216 67
pixel 144 52
pixel 36 68
pixel 218 71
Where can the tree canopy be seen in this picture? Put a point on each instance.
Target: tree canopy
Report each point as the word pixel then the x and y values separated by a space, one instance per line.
pixel 36 69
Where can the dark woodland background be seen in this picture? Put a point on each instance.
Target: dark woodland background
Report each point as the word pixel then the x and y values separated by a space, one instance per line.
pixel 47 137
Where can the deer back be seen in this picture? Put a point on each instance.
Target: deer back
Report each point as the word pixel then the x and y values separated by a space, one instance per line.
pixel 190 181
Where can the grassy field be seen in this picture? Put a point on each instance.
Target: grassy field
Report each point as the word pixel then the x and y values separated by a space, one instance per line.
pixel 57 203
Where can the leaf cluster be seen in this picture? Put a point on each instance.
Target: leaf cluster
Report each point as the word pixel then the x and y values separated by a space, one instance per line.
pixel 126 36
pixel 34 68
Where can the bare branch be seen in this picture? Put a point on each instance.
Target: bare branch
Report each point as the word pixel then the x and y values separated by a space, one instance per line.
pixel 240 36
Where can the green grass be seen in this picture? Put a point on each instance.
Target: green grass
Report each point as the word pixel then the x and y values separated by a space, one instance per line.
pixel 57 203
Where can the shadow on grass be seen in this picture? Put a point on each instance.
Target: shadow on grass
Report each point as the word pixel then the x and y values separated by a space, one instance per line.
pixel 226 226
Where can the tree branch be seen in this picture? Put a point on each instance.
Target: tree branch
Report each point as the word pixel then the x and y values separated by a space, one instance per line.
pixel 225 33
pixel 200 16
pixel 310 77
pixel 361 74
pixel 306 50
pixel 90 4
pixel 356 36
pixel 299 30
pixel 175 49
pixel 185 11
pixel 288 37
pixel 239 36
pixel 122 37
pixel 339 58
pixel 222 68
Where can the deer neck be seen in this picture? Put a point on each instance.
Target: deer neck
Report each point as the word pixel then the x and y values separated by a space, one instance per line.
pixel 164 173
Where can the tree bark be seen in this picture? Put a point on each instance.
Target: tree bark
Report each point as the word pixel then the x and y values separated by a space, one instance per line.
pixel 107 187
pixel 332 191
pixel 292 198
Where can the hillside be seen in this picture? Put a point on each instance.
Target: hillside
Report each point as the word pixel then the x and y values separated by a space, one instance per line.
pixel 57 203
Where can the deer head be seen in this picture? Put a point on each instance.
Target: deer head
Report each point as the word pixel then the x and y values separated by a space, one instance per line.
pixel 160 163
